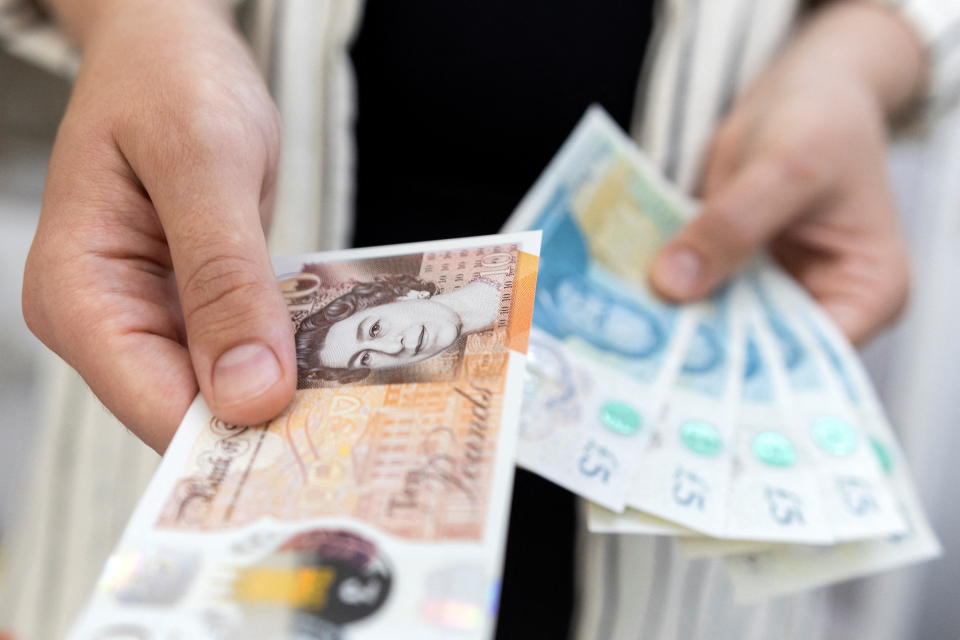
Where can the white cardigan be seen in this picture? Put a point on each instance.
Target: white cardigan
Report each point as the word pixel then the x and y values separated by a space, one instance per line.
pixel 91 471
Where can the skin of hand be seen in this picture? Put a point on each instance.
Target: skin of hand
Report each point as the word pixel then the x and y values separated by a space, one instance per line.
pixel 151 232
pixel 799 165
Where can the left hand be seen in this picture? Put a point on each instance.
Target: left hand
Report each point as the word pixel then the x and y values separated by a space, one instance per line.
pixel 800 165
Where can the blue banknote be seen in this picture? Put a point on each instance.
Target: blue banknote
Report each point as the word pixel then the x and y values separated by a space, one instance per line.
pixel 604 349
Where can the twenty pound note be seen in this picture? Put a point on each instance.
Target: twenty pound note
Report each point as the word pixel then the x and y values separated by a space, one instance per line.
pixel 376 505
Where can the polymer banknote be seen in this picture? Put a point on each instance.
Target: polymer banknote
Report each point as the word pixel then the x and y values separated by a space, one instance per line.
pixel 858 499
pixel 604 349
pixel 785 569
pixel 743 434
pixel 799 471
pixel 686 467
pixel 774 493
pixel 376 504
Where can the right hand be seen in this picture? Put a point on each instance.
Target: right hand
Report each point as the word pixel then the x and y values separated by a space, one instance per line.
pixel 800 166
pixel 151 234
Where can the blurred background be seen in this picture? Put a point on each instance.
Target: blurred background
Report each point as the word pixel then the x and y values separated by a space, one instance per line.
pixel 917 365
pixel 28 121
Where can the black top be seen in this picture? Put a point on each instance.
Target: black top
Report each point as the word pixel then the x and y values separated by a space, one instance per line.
pixel 460 107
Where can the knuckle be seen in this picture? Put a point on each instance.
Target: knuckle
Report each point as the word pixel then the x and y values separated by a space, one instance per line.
pixel 33 303
pixel 900 289
pixel 727 138
pixel 801 165
pixel 200 135
pixel 726 232
pixel 205 135
pixel 272 126
pixel 222 294
pixel 30 308
pixel 218 116
pixel 207 125
pixel 881 291
pixel 51 306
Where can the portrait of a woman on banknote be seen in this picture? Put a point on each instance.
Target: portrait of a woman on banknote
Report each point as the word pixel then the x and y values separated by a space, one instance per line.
pixel 391 322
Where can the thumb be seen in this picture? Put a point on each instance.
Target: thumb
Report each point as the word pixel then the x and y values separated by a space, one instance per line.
pixel 239 334
pixel 737 219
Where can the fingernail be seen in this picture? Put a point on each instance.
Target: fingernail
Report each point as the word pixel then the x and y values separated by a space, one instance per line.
pixel 244 372
pixel 678 272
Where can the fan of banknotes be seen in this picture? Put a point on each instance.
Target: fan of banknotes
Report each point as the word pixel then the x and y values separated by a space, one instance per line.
pixel 376 505
pixel 744 425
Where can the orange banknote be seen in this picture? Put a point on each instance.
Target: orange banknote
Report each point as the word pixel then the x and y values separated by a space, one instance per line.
pixel 407 440
pixel 392 465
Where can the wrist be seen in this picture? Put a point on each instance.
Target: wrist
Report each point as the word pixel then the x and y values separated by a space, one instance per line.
pixel 870 44
pixel 88 21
